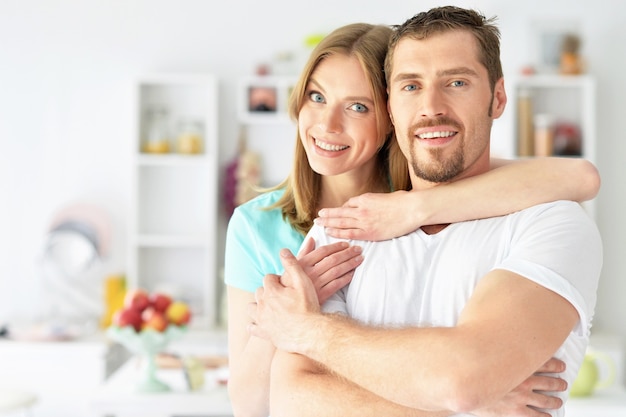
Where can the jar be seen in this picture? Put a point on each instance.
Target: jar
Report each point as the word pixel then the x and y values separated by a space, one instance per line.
pixel 157 134
pixel 189 137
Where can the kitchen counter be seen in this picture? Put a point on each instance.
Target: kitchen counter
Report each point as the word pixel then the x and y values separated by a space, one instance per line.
pixel 119 397
pixel 608 402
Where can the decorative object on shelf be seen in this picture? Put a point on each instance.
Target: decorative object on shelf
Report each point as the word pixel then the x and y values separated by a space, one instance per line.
pixel 157 131
pixel 567 139
pixel 544 134
pixel 525 134
pixel 588 378
pixel 189 137
pixel 550 35
pixel 243 176
pixel 145 325
pixel 262 99
pixel 571 61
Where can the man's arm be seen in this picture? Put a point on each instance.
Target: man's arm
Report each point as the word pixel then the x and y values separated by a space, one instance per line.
pixel 302 387
pixel 501 338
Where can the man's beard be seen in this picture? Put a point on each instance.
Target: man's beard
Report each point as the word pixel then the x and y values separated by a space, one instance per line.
pixel 441 170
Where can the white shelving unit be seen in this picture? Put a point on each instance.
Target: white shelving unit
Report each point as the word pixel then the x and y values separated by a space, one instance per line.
pixel 569 98
pixel 173 218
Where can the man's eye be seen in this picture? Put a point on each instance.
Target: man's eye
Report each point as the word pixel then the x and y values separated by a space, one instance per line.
pixel 410 87
pixel 358 107
pixel 458 83
pixel 316 97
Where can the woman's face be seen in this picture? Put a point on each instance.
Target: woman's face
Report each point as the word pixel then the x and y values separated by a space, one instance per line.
pixel 337 121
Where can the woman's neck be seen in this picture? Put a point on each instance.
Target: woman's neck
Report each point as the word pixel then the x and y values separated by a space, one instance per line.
pixel 336 190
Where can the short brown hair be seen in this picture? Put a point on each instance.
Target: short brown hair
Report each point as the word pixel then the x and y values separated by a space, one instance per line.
pixel 447 18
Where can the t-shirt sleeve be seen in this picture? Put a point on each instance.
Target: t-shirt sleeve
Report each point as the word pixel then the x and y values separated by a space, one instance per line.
pixel 242 267
pixel 560 248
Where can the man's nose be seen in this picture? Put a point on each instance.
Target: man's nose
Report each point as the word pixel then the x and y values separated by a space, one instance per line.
pixel 433 103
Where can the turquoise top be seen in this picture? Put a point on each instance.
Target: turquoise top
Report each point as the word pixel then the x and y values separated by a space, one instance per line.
pixel 253 241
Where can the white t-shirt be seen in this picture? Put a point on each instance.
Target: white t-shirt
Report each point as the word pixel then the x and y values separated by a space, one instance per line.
pixel 426 280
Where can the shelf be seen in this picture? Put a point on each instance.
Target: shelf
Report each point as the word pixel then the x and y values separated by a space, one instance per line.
pixel 173 216
pixel 171 160
pixel 554 81
pixel 566 103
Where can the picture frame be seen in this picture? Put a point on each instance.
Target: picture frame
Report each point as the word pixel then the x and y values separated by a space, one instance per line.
pixel 264 99
pixel 548 37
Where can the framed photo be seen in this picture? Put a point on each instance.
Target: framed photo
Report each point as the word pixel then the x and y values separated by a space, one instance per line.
pixel 549 35
pixel 264 99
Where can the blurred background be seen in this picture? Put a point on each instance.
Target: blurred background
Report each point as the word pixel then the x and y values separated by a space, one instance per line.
pixel 68 75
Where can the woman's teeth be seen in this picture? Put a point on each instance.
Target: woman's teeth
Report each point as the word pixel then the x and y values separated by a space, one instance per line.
pixel 329 147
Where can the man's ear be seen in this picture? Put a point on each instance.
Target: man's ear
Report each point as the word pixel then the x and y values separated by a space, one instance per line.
pixel 499 99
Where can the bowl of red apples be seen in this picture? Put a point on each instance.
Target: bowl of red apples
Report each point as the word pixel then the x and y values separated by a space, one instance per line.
pixel 145 325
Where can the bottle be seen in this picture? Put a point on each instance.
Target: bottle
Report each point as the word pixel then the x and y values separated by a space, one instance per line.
pixel 525 134
pixel 544 134
pixel 157 135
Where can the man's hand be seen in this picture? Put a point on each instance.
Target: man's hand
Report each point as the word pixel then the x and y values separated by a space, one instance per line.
pixel 531 395
pixel 371 216
pixel 330 267
pixel 283 304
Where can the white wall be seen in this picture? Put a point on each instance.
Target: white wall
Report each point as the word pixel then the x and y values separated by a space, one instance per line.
pixel 66 70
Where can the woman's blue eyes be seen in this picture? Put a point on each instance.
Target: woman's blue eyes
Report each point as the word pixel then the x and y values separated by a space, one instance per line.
pixel 359 108
pixel 318 98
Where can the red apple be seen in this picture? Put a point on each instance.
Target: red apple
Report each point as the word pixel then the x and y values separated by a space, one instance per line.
pixel 160 301
pixel 178 313
pixel 137 299
pixel 127 317
pixel 154 320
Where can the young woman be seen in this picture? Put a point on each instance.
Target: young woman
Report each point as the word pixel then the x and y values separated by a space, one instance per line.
pixel 345 148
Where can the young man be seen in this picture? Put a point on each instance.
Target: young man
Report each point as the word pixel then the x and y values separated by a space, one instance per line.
pixel 450 318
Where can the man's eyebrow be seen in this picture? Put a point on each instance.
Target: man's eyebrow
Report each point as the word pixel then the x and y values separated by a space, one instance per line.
pixel 457 71
pixel 441 73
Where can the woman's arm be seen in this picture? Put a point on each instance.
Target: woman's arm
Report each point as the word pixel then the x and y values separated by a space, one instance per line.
pixel 510 186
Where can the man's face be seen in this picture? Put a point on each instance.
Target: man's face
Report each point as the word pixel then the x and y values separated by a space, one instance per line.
pixel 442 106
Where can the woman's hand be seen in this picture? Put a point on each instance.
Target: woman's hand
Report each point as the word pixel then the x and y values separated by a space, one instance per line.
pixel 531 395
pixel 330 267
pixel 372 216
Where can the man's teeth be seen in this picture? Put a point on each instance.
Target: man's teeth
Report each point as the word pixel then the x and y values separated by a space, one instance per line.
pixel 329 147
pixel 431 135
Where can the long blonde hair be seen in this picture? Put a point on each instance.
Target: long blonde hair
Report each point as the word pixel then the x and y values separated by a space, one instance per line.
pixel 368 43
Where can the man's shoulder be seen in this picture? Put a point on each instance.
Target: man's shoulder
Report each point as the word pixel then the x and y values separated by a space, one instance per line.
pixel 570 209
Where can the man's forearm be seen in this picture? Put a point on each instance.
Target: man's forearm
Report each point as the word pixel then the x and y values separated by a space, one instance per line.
pixel 301 387
pixel 387 362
